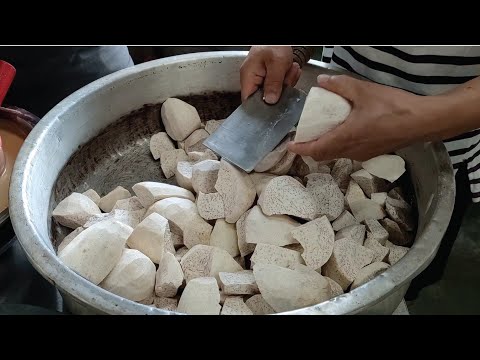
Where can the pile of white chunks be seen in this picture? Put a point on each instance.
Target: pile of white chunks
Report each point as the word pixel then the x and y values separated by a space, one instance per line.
pixel 294 233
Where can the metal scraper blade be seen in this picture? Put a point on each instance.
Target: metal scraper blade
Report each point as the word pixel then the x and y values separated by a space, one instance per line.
pixel 255 128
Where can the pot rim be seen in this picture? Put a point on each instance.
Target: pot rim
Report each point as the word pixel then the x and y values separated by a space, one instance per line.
pixel 46 262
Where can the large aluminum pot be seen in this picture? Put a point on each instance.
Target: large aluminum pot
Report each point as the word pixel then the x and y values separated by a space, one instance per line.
pixel 81 117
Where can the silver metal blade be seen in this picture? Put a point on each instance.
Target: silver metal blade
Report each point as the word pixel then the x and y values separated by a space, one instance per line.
pixel 255 128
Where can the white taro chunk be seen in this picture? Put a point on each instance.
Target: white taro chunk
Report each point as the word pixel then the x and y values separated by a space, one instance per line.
pixel 129 204
pixel 328 196
pixel 68 239
pixel 388 167
pixel 234 305
pixel 167 304
pixel 284 289
pixel 284 165
pixel 354 193
pixel 210 206
pixel 169 276
pixel 212 125
pixel 107 202
pixel 168 243
pixel 345 219
pixel 273 157
pixel 237 190
pixel 377 231
pixel 133 277
pixel 130 218
pixel 149 237
pixel 284 195
pixel 75 210
pixel 341 173
pixel 179 118
pixel 180 253
pixel 239 283
pixel 274 230
pixel 380 198
pixel 159 143
pixel 260 180
pixel 205 260
pixel 244 247
pixel 197 156
pixel 317 238
pixel 367 209
pixel 170 159
pixel 323 111
pixel 276 255
pixel 92 195
pixel 205 175
pixel 396 252
pixel 368 273
pixel 224 236
pixel 95 251
pixel 346 261
pixel 355 233
pixel 369 183
pixel 395 234
pixel 400 212
pixel 335 289
pixel 259 306
pixel 195 141
pixel 380 251
pixel 201 296
pixel 183 175
pixel 149 192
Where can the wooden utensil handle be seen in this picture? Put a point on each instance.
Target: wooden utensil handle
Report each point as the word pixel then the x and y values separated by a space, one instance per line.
pixel 302 54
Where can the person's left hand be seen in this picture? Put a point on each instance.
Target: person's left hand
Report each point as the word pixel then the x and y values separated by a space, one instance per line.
pixel 383 119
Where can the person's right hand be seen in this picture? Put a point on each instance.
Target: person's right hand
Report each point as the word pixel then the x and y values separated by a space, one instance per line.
pixel 271 66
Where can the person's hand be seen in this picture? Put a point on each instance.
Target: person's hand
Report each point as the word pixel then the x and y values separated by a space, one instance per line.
pixel 271 66
pixel 383 119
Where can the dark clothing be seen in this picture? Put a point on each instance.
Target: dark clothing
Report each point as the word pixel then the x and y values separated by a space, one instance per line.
pixel 48 74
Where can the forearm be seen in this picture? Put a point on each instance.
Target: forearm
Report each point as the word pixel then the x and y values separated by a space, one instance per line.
pixel 452 113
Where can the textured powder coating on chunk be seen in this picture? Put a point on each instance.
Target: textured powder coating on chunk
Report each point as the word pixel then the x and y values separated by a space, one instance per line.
pixel 183 175
pixel 274 230
pixel 159 143
pixel 341 173
pixel 170 159
pixel 205 175
pixel 368 273
pixel 317 238
pixel 355 233
pixel 284 195
pixel 75 210
pixel 396 252
pixel 244 247
pixel 167 304
pixel 377 230
pixel 194 142
pixel 271 254
pixel 239 283
pixel 328 196
pixel 346 261
pixel 234 305
pixel 210 206
pixel 369 183
pixel 395 234
pixel 345 219
pixel 259 306
pixel 380 251
pixel 237 190
pixel 284 165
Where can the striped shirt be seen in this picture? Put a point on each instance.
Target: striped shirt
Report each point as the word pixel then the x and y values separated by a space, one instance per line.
pixel 423 70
